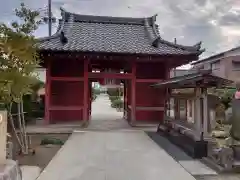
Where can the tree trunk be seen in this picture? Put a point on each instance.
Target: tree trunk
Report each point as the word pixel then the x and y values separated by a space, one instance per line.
pixel 24 128
pixel 20 123
pixel 13 130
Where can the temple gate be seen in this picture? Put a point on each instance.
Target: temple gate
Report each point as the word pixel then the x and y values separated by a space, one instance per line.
pixel 131 47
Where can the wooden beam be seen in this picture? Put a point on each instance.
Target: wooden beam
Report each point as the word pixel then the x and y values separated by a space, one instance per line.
pixel 109 75
pixel 120 56
pixel 65 108
pixel 149 80
pixel 142 108
pixel 66 78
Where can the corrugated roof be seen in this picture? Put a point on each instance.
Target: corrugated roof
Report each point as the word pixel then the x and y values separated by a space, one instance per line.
pixel 86 33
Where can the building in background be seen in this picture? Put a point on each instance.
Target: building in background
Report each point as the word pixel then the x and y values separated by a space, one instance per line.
pixel 225 64
pixel 181 72
pixel 41 73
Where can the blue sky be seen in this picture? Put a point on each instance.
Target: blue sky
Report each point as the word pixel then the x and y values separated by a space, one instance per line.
pixel 215 22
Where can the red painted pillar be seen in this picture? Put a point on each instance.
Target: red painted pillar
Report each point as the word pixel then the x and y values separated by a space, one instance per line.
pixel 47 93
pixel 125 99
pixel 85 91
pixel 167 91
pixel 133 93
pixel 90 99
pixel 129 99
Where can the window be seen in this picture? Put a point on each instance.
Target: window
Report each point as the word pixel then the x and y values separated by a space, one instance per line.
pixel 235 66
pixel 215 65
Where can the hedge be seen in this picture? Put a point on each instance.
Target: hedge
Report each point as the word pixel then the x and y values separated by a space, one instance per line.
pixel 113 98
pixel 115 92
pixel 117 103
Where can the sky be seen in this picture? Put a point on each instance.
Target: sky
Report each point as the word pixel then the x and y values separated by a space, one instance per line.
pixel 214 22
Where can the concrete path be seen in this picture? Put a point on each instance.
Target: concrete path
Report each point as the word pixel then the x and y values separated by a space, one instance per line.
pixel 102 110
pixel 30 172
pixel 104 117
pixel 113 156
pixel 110 149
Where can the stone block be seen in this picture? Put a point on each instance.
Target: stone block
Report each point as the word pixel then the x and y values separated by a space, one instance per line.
pixel 223 156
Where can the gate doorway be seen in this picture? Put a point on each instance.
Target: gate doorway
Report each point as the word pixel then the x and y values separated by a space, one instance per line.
pixel 107 106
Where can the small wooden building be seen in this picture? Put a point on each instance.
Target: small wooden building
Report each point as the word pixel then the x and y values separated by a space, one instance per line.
pixel 190 133
pixel 86 47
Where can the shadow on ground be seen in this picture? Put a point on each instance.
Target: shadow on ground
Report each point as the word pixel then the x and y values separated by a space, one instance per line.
pixel 183 159
pixel 171 149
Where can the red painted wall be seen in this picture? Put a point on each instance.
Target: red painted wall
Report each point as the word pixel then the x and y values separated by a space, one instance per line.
pixel 66 93
pixel 65 116
pixel 147 96
pixel 69 94
pixel 149 116
pixel 67 68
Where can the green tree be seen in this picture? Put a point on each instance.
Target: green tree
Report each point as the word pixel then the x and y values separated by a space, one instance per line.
pixel 18 60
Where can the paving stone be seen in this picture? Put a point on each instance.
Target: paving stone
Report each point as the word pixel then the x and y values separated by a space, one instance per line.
pixel 115 156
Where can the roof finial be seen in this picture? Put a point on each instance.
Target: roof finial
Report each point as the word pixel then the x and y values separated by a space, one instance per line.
pixel 154 17
pixel 63 38
pixel 175 40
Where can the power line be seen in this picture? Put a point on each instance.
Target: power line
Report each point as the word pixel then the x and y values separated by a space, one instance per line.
pixel 48 17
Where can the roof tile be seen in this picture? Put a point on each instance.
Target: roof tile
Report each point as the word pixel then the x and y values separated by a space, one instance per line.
pixel 107 36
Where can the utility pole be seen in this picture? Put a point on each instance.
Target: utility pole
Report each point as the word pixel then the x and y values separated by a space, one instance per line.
pixel 49 17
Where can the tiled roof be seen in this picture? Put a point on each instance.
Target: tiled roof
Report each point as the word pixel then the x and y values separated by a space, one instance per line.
pixel 86 33
pixel 189 80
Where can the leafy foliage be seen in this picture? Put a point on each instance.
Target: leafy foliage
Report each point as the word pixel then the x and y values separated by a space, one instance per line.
pixel 29 20
pixel 225 95
pixel 18 60
pixel 115 92
pixel 113 98
pixel 117 103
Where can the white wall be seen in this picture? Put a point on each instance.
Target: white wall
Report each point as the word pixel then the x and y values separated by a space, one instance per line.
pixel 41 72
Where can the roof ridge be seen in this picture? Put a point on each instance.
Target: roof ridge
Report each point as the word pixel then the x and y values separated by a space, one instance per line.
pixel 195 47
pixel 157 39
pixel 153 36
pixel 59 29
pixel 106 19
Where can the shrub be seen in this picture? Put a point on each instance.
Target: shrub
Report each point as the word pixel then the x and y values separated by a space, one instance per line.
pixel 227 98
pixel 94 97
pixel 96 91
pixel 117 103
pixel 115 92
pixel 113 98
pixel 53 141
